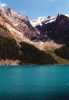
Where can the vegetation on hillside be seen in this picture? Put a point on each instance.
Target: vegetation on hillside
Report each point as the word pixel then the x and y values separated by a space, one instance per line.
pixel 25 53
pixel 61 55
pixel 8 48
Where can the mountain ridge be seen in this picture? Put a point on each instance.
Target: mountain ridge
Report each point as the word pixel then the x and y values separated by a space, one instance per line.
pixel 16 23
pixel 40 43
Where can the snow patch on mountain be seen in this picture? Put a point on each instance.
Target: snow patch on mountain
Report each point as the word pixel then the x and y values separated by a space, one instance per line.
pixel 45 20
pixel 41 20
pixel 67 15
pixel 37 21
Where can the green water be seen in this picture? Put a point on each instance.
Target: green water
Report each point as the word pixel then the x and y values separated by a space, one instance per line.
pixel 33 82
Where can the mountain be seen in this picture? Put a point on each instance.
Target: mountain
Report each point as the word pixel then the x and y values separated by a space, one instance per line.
pixel 54 34
pixel 18 26
pixel 53 28
pixel 41 20
pixel 44 40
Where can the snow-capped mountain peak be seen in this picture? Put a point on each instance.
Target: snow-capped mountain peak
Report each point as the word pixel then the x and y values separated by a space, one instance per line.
pixel 37 21
pixel 45 20
pixel 41 20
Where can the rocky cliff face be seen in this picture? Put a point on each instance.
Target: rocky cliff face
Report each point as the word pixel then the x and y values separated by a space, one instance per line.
pixel 18 26
pixel 56 29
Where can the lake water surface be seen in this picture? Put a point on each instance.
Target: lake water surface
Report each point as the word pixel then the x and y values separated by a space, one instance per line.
pixel 34 82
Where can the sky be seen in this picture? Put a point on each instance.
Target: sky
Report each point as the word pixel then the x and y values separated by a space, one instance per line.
pixel 37 8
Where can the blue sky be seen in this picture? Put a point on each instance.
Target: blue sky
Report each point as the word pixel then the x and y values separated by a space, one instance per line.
pixel 36 8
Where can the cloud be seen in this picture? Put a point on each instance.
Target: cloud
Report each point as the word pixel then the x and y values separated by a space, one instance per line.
pixel 3 4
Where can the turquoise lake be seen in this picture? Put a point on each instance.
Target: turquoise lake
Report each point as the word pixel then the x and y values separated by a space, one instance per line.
pixel 34 82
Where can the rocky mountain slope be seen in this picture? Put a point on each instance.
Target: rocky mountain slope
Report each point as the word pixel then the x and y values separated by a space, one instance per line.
pixel 53 28
pixel 18 25
pixel 54 33
pixel 41 41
